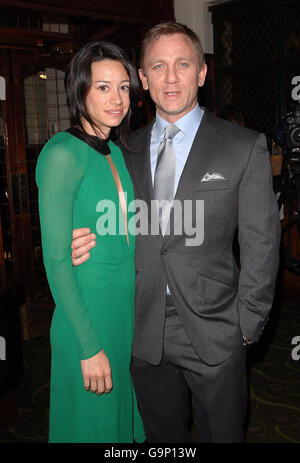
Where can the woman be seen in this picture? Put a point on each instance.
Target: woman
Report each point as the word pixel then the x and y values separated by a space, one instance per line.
pixel 91 394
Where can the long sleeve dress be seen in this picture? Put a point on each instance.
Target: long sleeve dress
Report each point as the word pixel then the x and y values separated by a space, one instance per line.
pixel 94 301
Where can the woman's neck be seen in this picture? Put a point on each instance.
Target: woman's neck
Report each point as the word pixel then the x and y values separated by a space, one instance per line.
pixel 95 131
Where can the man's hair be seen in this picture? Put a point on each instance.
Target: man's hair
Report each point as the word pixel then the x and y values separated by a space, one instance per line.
pixel 78 80
pixel 170 28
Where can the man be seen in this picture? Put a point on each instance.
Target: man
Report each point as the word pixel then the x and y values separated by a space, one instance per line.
pixel 194 311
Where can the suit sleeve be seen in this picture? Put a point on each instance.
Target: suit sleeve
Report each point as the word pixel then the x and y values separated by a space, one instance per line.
pixel 259 239
pixel 58 177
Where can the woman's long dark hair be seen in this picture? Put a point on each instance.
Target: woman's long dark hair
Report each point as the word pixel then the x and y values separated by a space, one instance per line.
pixel 78 82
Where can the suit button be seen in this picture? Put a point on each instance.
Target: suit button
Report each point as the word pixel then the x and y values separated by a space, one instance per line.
pixel 164 252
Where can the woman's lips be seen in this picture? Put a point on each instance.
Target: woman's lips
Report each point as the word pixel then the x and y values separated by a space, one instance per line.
pixel 115 112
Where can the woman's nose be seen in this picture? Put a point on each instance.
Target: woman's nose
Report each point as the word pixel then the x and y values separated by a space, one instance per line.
pixel 116 97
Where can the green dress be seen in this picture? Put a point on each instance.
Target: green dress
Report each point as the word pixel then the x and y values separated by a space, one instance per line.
pixel 94 301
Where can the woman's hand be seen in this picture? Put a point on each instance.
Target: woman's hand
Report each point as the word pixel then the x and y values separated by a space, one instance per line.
pixel 96 373
pixel 83 241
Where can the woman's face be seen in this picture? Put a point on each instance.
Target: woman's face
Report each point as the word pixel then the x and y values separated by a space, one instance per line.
pixel 107 100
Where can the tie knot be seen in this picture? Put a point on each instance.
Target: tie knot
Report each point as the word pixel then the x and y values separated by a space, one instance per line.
pixel 171 131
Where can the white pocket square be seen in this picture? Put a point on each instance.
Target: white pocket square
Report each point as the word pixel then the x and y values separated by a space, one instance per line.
pixel 214 176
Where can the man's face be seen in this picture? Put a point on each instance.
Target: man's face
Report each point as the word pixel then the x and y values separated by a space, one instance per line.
pixel 172 74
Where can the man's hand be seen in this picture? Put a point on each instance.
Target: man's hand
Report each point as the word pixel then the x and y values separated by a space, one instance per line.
pixel 96 373
pixel 83 241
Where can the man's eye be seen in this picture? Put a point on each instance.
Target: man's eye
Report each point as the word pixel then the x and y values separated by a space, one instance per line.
pixel 157 67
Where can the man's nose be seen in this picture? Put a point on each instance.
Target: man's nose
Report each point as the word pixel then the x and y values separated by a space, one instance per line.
pixel 171 75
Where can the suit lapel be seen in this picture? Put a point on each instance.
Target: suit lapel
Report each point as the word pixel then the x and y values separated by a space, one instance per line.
pixel 140 165
pixel 204 146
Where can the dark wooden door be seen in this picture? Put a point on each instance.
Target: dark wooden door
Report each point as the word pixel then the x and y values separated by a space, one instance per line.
pixel 35 109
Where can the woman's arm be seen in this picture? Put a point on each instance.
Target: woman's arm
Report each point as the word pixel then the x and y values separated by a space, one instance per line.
pixel 58 175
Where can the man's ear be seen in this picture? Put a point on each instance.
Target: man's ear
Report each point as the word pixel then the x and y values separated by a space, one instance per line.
pixel 202 75
pixel 143 79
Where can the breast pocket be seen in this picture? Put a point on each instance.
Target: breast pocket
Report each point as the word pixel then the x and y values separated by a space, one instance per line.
pixel 214 185
pixel 220 204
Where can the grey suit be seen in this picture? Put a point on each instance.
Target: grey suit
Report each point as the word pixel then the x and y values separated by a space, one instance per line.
pixel 216 303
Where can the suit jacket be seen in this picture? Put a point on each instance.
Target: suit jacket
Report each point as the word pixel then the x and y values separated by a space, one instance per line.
pixel 216 302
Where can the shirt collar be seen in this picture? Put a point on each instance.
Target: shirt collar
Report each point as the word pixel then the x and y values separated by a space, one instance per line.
pixel 188 124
